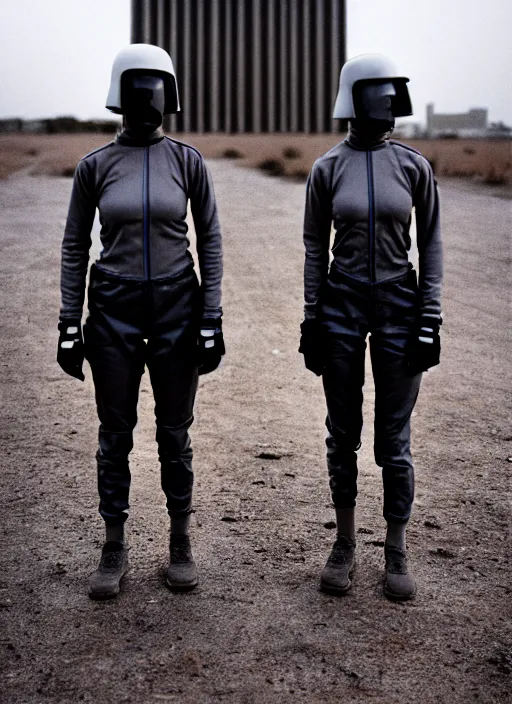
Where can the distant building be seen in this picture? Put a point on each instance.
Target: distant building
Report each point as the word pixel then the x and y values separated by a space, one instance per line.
pixel 409 130
pixel 249 65
pixel 13 124
pixel 470 124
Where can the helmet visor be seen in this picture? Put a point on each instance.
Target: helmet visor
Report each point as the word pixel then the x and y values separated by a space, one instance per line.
pixel 381 100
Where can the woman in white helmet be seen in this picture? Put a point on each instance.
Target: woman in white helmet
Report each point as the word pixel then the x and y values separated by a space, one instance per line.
pixel 146 307
pixel 366 187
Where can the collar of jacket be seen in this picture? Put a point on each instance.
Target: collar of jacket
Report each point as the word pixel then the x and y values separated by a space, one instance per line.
pixel 128 139
pixel 365 143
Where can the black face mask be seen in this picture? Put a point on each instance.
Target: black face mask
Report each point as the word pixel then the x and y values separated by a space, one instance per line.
pixel 373 103
pixel 142 101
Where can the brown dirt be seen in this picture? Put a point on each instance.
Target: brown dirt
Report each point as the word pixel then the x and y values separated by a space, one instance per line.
pixel 257 629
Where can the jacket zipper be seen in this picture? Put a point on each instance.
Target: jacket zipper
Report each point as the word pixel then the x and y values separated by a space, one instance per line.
pixel 145 215
pixel 371 219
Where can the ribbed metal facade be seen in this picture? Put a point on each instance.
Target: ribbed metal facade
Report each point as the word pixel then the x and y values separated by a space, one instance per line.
pixel 249 65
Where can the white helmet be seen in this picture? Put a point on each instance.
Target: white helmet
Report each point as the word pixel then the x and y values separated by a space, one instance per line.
pixel 145 58
pixel 370 67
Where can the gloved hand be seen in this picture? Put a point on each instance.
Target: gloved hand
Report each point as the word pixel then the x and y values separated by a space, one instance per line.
pixel 211 345
pixel 70 353
pixel 425 348
pixel 312 345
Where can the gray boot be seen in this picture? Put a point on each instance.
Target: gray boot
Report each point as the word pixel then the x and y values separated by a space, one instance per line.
pixel 104 582
pixel 340 565
pixel 182 571
pixel 399 584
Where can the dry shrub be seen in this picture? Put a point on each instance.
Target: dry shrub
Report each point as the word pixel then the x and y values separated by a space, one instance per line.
pixel 292 153
pixel 273 167
pixel 495 178
pixel 299 175
pixel 232 154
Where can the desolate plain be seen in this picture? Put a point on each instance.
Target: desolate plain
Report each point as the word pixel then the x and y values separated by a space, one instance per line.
pixel 288 154
pixel 257 629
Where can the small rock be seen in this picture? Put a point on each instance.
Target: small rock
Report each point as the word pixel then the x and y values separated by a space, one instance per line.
pixel 259 481
pixel 509 459
pixel 330 525
pixel 443 552
pixel 229 519
pixel 376 543
pixel 432 523
pixel 269 456
pixel 289 474
pixel 366 531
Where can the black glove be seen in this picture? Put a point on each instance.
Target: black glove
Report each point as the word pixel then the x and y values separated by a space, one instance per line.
pixel 211 345
pixel 70 353
pixel 425 348
pixel 312 345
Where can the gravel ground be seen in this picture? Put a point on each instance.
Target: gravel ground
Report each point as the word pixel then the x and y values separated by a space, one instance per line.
pixel 257 629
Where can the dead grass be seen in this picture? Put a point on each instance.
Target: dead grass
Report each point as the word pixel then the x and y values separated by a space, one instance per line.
pixel 489 161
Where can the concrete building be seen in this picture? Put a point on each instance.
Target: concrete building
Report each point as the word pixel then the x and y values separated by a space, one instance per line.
pixel 249 65
pixel 470 124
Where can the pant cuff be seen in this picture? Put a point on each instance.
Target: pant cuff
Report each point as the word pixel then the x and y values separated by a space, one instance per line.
pixel 180 514
pixel 344 503
pixel 391 518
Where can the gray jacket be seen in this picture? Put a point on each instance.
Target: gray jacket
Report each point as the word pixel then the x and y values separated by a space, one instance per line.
pixel 141 194
pixel 368 192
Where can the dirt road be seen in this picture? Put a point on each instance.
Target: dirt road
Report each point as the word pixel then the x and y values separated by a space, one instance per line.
pixel 257 629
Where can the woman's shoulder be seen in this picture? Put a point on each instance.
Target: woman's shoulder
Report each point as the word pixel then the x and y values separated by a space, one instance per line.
pixel 405 151
pixel 183 147
pixel 96 152
pixel 327 161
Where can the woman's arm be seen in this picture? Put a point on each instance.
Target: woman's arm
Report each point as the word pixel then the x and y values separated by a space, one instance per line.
pixel 317 232
pixel 428 227
pixel 209 238
pixel 77 242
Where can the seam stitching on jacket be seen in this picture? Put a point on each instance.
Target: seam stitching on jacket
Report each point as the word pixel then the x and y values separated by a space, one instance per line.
pixel 99 149
pixel 184 144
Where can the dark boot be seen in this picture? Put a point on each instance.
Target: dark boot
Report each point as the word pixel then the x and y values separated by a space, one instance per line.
pixel 335 577
pixel 104 582
pixel 182 571
pixel 399 584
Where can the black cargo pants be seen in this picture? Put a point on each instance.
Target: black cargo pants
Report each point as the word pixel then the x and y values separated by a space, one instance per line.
pixel 132 324
pixel 388 312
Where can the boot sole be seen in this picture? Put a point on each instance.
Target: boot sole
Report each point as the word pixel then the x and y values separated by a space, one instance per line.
pixel 338 591
pixel 394 596
pixel 174 587
pixel 105 596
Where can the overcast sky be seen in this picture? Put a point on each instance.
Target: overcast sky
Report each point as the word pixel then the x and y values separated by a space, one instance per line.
pixel 56 55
